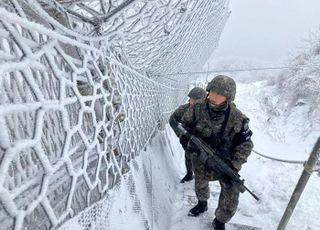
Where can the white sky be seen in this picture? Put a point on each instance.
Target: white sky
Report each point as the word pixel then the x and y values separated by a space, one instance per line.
pixel 268 30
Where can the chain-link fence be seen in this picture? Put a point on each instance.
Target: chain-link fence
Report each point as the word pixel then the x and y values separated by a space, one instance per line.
pixel 82 91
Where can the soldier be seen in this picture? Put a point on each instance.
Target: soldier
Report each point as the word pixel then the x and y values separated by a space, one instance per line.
pixel 225 129
pixel 196 95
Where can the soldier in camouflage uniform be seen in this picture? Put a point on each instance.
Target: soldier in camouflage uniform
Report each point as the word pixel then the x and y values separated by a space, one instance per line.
pixel 221 125
pixel 196 95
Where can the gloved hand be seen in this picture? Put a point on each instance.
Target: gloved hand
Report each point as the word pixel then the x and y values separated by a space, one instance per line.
pixel 234 166
pixel 223 177
pixel 227 179
pixel 208 164
pixel 184 141
pixel 193 148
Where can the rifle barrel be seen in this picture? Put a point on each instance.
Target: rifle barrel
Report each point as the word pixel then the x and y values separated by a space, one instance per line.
pixel 252 194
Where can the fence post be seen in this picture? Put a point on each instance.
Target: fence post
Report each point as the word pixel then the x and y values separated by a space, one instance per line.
pixel 306 173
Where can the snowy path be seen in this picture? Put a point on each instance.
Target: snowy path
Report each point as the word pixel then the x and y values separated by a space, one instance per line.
pixel 187 199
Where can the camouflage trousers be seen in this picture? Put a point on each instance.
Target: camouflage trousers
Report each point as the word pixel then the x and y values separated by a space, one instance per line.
pixel 188 161
pixel 229 195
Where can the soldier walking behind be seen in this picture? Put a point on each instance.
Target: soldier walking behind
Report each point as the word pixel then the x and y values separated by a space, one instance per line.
pixel 196 95
pixel 225 129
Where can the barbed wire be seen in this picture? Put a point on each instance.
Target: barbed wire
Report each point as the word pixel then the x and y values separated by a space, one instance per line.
pixel 231 70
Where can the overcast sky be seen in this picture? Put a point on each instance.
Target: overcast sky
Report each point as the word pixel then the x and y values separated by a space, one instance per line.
pixel 268 30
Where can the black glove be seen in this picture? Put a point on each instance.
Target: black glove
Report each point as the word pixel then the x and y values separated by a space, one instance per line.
pixel 226 178
pixel 209 163
pixel 184 141
pixel 192 147
pixel 229 163
pixel 209 167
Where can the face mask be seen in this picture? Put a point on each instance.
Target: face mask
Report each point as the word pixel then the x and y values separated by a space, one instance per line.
pixel 220 107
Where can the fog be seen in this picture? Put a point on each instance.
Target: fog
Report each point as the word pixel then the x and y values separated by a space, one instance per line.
pixel 271 31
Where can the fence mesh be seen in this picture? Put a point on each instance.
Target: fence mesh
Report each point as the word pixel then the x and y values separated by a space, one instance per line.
pixel 83 88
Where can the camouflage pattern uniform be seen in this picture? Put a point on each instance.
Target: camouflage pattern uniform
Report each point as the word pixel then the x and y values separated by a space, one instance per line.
pixel 197 94
pixel 225 129
pixel 174 119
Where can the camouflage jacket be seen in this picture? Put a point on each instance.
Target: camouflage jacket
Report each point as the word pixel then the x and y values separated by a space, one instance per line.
pixel 227 131
pixel 176 117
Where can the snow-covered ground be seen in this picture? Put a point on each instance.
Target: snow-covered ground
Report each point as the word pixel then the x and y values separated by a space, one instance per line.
pixel 151 197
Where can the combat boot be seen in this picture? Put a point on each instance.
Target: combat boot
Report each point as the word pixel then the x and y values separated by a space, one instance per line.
pixel 201 207
pixel 187 177
pixel 217 225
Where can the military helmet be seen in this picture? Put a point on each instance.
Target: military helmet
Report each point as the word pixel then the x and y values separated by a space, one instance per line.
pixel 197 93
pixel 223 85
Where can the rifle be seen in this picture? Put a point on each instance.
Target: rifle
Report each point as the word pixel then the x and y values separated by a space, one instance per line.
pixel 218 165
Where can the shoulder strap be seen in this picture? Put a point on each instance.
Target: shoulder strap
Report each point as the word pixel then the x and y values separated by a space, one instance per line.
pixel 224 124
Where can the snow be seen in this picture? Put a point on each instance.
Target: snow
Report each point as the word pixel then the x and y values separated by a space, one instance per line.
pixel 285 134
pixel 271 136
pixel 151 197
pixel 143 198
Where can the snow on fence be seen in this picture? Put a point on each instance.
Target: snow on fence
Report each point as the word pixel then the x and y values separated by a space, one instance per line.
pixel 82 91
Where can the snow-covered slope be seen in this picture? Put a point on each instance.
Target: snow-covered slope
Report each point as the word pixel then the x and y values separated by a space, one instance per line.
pixel 275 134
pixel 273 180
pixel 298 87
